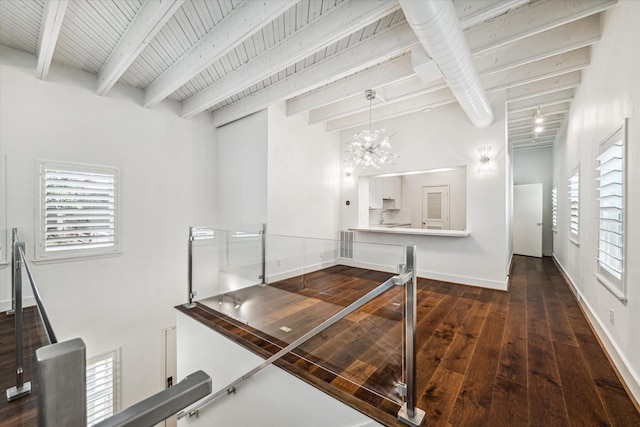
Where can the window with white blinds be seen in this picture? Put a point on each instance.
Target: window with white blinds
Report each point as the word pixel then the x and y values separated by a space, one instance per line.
pixel 554 208
pixel 574 203
pixel 78 210
pixel 5 243
pixel 102 387
pixel 610 174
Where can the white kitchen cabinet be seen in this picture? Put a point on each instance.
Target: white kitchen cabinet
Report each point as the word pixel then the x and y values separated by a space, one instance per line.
pixel 375 193
pixel 392 191
pixel 385 193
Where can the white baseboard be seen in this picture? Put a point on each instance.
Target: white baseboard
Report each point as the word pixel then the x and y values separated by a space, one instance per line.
pixel 630 378
pixel 26 302
pixel 464 280
pixel 458 280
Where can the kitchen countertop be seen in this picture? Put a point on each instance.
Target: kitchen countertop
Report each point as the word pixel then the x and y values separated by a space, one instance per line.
pixel 394 224
pixel 395 229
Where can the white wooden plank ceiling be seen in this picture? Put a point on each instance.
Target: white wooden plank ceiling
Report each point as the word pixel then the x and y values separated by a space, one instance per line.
pixel 235 57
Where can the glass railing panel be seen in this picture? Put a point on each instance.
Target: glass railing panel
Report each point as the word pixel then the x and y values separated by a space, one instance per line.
pixel 223 261
pixel 307 282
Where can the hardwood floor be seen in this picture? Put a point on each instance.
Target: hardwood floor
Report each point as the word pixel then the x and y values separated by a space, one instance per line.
pixel 22 412
pixel 485 358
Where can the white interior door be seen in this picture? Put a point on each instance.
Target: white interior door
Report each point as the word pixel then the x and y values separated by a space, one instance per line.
pixel 527 219
pixel 170 367
pixel 435 207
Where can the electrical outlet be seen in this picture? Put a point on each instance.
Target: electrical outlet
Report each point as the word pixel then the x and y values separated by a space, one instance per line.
pixel 279 263
pixel 611 318
pixel 321 255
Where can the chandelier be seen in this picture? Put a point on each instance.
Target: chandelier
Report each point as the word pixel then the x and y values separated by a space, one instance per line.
pixel 369 147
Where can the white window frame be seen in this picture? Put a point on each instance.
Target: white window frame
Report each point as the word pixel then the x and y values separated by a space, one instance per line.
pixel 5 245
pixel 554 208
pixel 612 280
pixel 103 384
pixel 42 253
pixel 574 200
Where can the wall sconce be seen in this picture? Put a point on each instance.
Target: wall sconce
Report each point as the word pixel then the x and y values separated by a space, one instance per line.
pixel 485 159
pixel 348 175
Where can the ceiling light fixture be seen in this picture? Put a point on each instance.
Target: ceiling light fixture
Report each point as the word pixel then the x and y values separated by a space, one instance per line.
pixel 538 129
pixel 368 147
pixel 538 118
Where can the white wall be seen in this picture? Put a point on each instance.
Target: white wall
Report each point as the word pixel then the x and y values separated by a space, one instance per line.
pixel 167 184
pixel 271 397
pixel 536 167
pixel 444 137
pixel 278 170
pixel 610 91
pixel 241 167
pixel 508 213
pixel 304 177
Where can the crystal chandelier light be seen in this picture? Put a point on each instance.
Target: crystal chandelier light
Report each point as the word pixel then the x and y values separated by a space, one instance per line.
pixel 369 147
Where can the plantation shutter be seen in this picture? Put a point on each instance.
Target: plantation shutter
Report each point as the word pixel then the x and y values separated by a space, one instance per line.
pixel 610 176
pixel 574 202
pixel 78 208
pixel 611 221
pixel 101 387
pixel 554 208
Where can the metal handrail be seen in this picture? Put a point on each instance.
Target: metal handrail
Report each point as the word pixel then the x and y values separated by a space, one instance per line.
pixel 164 404
pixel 230 388
pixel 18 261
pixel 36 294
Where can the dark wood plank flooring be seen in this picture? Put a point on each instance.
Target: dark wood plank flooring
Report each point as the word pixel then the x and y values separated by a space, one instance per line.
pixel 22 412
pixel 485 358
pixel 526 357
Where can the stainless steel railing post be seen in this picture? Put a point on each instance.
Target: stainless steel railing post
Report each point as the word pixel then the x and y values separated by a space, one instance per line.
pixel 21 388
pixel 190 304
pixel 409 413
pixel 263 237
pixel 14 238
pixel 411 331
pixel 195 233
pixel 62 384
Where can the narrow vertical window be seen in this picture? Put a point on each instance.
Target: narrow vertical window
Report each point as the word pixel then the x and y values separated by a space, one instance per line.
pixel 101 387
pixel 574 204
pixel 610 174
pixel 78 210
pixel 554 208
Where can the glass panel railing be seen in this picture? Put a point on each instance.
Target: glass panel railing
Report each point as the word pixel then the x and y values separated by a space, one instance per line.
pixel 307 281
pixel 222 261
